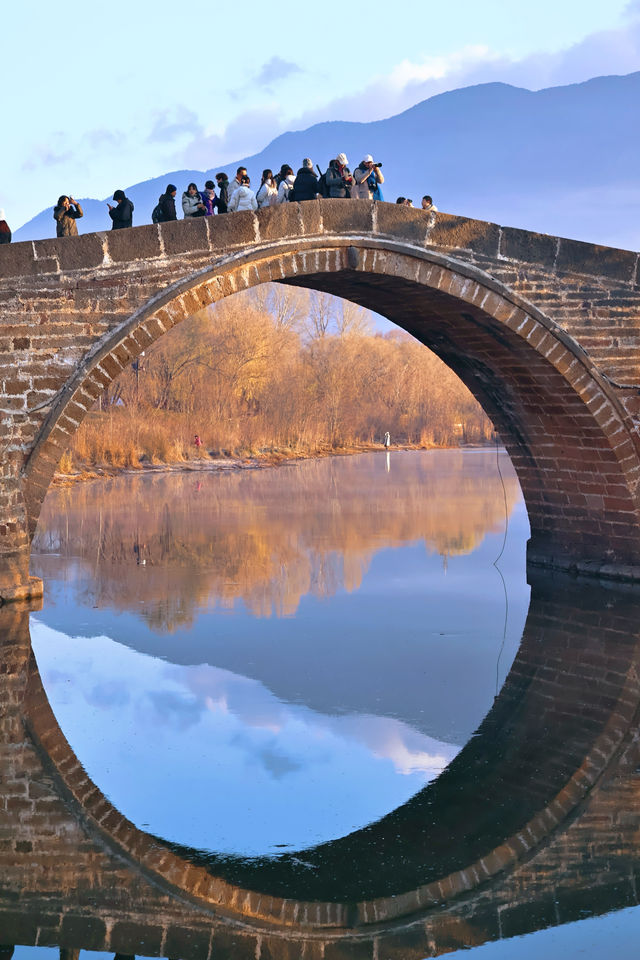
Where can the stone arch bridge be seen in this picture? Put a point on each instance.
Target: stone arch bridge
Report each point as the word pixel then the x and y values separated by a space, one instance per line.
pixel 544 331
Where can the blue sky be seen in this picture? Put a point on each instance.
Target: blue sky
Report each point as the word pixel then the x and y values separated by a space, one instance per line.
pixel 102 97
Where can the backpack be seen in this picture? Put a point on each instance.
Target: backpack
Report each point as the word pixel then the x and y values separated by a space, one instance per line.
pixel 322 188
pixel 157 215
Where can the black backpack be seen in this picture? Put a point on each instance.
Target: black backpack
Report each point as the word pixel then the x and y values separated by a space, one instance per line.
pixel 157 216
pixel 322 187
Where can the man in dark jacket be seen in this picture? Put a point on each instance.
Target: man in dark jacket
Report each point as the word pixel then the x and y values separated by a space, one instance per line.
pixel 305 186
pixel 338 177
pixel 168 204
pixel 122 215
pixel 223 192
pixel 65 213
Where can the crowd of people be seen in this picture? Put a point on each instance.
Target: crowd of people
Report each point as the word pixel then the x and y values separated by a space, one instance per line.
pixel 228 196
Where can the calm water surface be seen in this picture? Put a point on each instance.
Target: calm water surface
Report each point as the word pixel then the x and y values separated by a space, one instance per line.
pixel 262 660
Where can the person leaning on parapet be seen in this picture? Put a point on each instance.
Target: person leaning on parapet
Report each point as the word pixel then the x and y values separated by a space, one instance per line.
pixel 236 183
pixel 65 213
pixel 122 215
pixel 5 232
pixel 305 185
pixel 192 205
pixel 368 177
pixel 430 210
pixel 223 192
pixel 167 204
pixel 338 178
pixel 243 198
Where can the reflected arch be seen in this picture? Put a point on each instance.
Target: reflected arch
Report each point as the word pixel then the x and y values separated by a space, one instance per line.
pixel 569 437
pixel 544 745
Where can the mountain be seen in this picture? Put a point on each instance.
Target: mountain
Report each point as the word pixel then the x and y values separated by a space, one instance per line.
pixel 563 160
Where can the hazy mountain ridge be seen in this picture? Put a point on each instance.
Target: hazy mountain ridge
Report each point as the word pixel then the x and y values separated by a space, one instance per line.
pixel 562 160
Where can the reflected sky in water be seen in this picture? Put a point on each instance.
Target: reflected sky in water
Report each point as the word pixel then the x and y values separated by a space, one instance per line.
pixel 265 660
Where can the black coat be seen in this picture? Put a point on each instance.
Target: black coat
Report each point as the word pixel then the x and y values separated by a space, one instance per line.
pixel 305 186
pixel 168 207
pixel 122 215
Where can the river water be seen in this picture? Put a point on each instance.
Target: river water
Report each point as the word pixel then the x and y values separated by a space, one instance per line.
pixel 252 662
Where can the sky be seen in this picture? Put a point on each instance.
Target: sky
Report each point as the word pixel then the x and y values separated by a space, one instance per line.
pixel 100 97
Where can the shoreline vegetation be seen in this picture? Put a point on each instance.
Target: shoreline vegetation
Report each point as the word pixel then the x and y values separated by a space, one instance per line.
pixel 273 375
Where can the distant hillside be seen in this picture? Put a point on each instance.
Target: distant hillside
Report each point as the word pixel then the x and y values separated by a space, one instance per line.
pixel 562 160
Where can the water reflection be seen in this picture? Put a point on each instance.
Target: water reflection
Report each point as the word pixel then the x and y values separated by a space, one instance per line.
pixel 285 719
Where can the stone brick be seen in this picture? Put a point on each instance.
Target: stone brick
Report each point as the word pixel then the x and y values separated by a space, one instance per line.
pixel 576 256
pixel 137 243
pixel 88 933
pixel 528 247
pixel 135 938
pixel 73 253
pixel 184 236
pixel 397 221
pixel 463 234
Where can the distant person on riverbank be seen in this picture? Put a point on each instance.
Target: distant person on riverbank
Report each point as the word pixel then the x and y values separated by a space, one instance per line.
pixel 387 440
pixel 197 442
pixel 430 210
pixel 122 215
pixel 192 205
pixel 209 198
pixel 243 197
pixel 223 192
pixel 368 177
pixel 65 213
pixel 305 185
pixel 338 178
pixel 5 232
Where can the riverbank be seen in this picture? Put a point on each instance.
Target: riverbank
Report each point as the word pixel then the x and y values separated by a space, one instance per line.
pixel 218 464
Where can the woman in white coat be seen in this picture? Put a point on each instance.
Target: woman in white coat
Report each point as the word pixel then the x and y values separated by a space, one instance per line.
pixel 268 190
pixel 286 184
pixel 243 198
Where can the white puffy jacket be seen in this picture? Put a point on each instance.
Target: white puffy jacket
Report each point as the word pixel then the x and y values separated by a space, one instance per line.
pixel 243 199
pixel 285 187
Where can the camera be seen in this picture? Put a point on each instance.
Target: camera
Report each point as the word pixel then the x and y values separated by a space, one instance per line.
pixel 377 164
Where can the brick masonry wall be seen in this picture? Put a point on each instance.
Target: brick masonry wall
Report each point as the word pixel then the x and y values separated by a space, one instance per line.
pixel 542 329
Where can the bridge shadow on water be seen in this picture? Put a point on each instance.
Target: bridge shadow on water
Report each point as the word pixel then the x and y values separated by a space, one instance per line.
pixel 535 822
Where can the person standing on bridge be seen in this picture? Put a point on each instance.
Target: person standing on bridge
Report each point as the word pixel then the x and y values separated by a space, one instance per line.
pixel 305 186
pixel 236 183
pixel 167 203
pixel 368 177
pixel 243 198
pixel 5 232
pixel 65 213
pixel 122 215
pixel 223 192
pixel 430 210
pixel 338 177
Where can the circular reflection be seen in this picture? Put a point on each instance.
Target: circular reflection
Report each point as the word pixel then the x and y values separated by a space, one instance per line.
pixel 256 662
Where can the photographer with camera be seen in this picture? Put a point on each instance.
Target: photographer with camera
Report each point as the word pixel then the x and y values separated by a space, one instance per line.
pixel 368 177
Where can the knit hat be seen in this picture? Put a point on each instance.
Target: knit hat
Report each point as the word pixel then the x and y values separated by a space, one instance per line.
pixel 342 159
pixel 307 163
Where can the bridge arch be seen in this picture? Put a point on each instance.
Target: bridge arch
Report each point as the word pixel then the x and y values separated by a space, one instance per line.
pixel 570 439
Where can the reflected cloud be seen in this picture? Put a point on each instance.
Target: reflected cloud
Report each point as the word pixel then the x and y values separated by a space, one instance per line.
pixel 233 742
